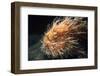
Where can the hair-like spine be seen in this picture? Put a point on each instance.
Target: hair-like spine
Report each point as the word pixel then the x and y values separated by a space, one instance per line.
pixel 63 37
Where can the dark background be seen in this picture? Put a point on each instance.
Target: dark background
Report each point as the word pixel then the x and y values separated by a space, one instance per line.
pixel 38 24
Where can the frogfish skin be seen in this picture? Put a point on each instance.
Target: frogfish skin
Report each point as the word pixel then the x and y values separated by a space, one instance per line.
pixel 64 38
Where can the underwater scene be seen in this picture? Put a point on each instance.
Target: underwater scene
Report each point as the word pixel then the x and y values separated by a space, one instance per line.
pixel 57 37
